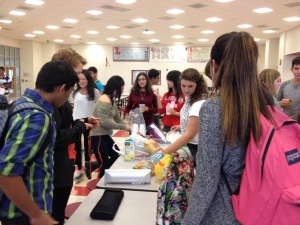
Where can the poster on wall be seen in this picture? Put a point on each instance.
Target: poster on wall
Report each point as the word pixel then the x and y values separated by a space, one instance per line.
pixel 168 54
pixel 130 54
pixel 198 54
pixel 134 74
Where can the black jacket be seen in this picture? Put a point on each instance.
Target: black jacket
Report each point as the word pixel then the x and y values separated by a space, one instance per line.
pixel 63 176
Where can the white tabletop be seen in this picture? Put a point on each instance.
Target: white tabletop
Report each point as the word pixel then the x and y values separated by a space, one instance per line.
pixel 136 208
pixel 121 164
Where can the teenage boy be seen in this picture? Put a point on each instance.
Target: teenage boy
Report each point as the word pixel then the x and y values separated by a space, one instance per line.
pixel 28 190
pixel 289 92
pixel 68 132
pixel 154 75
pixel 93 71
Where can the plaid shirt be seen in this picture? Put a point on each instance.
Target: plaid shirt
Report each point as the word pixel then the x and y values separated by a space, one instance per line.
pixel 27 132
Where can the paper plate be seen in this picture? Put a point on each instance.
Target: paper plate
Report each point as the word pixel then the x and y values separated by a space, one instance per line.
pixel 173 136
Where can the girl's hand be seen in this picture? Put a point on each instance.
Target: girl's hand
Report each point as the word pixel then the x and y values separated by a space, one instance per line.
pixel 175 128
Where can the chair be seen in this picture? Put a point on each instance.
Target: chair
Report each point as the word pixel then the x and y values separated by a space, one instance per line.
pixel 91 185
pixel 71 208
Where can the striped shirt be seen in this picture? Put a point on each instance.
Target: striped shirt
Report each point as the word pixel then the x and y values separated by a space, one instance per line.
pixel 26 134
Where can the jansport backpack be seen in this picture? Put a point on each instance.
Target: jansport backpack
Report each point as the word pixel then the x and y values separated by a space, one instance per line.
pixel 270 186
pixel 173 194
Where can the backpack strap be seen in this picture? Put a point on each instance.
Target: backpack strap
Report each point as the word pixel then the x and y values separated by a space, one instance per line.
pixel 17 108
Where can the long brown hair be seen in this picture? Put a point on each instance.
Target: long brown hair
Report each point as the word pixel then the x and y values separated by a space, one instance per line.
pixel 136 87
pixel 193 75
pixel 268 76
pixel 241 93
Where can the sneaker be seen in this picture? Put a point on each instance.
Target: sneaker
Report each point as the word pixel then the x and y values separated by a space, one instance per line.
pixel 78 177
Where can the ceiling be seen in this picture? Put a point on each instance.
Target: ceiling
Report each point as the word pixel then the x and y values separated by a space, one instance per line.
pixel 234 13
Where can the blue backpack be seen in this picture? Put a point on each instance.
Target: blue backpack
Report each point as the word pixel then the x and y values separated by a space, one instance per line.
pixel 7 111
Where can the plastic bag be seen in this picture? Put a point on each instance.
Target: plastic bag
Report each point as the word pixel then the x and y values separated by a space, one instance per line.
pixel 137 122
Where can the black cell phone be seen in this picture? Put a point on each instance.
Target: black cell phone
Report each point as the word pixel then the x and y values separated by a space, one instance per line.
pixel 107 207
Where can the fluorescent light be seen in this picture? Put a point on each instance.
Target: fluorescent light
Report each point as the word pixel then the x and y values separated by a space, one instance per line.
pixel 223 1
pixel 111 39
pixel 148 32
pixel 263 10
pixel 291 19
pixel 269 31
pixel 177 36
pixel 207 32
pixel 91 43
pixel 5 21
pixel 70 20
pixel 92 32
pixel 139 20
pixel 29 35
pixel 94 12
pixel 214 19
pixel 38 32
pixel 125 36
pixel 178 43
pixel 75 36
pixel 203 40
pixel 175 11
pixel 34 2
pixel 256 39
pixel 244 26
pixel 112 27
pixel 177 27
pixel 125 1
pixel 134 43
pixel 58 40
pixel 17 13
pixel 52 27
pixel 154 40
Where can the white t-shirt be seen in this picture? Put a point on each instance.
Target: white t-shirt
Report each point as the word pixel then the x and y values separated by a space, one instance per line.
pixel 83 107
pixel 187 111
pixel 3 81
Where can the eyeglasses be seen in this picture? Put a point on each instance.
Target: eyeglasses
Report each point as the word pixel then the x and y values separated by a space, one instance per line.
pixel 142 79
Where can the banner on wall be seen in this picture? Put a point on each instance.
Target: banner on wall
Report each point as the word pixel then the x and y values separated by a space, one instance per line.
pixel 168 54
pixel 198 54
pixel 130 54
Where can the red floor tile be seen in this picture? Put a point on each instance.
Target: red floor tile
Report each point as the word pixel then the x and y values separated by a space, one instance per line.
pixel 80 191
pixel 121 133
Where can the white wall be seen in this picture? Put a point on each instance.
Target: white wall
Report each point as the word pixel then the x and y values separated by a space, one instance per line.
pixel 96 56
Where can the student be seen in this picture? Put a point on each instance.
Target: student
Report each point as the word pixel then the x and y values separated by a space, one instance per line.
pixel 66 135
pixel 142 93
pixel 194 88
pixel 106 109
pixel 154 76
pixel 289 91
pixel 5 82
pixel 98 84
pixel 226 121
pixel 84 99
pixel 271 78
pixel 172 101
pixel 28 192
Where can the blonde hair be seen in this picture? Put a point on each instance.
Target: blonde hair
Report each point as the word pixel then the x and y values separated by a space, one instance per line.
pixel 268 76
pixel 70 56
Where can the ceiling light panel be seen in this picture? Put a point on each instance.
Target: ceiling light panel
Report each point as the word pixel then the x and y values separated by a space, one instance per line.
pixel 111 39
pixel 75 36
pixel 177 27
pixel 92 32
pixel 34 2
pixel 213 19
pixel 148 32
pixel 17 13
pixel 52 27
pixel 291 19
pixel 94 12
pixel 175 11
pixel 5 21
pixel 139 20
pixel 178 36
pixel 134 43
pixel 207 31
pixel 269 31
pixel 70 21
pixel 112 27
pixel 244 26
pixel 29 35
pixel 203 39
pixel 263 10
pixel 58 40
pixel 154 40
pixel 38 32
pixel 126 1
pixel 224 1
pixel 125 36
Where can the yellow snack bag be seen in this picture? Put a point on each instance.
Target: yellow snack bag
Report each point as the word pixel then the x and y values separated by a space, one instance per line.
pixel 165 161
